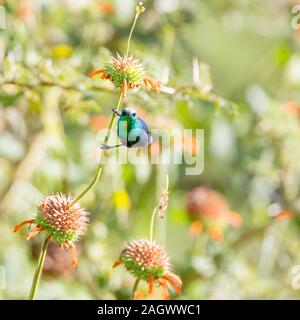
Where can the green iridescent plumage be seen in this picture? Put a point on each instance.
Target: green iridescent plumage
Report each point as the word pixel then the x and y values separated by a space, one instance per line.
pixel 132 131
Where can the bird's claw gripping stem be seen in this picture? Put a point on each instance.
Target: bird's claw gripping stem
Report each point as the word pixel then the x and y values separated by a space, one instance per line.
pixel 106 147
pixel 116 112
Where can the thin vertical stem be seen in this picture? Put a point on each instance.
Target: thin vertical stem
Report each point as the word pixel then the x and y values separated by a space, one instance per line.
pixel 100 166
pixel 39 269
pixel 130 34
pixel 135 286
pixel 155 212
pixel 112 119
pixel 152 223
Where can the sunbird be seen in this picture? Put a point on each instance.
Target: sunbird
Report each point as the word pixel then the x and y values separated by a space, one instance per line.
pixel 132 131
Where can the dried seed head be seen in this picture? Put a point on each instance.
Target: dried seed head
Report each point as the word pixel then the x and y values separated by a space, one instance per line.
pixel 140 8
pixel 62 221
pixel 144 258
pixel 163 204
pixel 205 202
pixel 148 261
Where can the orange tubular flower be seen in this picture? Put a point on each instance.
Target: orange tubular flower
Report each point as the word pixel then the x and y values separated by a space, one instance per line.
pixel 149 262
pixel 62 222
pixel 126 73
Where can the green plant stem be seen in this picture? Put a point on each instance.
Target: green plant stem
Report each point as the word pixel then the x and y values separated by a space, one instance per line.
pixel 154 213
pixel 39 269
pixel 100 166
pixel 135 286
pixel 130 34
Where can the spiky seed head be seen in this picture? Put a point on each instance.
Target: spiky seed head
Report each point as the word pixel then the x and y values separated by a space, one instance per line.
pixel 122 70
pixel 60 219
pixel 144 258
pixel 205 202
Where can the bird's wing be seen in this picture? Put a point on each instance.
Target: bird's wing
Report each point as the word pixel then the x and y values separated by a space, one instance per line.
pixel 144 125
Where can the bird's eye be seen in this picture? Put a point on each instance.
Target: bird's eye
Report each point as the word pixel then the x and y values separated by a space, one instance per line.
pixel 134 114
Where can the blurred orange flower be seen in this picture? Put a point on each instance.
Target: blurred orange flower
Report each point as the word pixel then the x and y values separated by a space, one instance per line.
pixel 292 107
pixel 284 215
pixel 210 207
pixel 196 228
pixel 216 234
pixel 107 8
pixel 99 122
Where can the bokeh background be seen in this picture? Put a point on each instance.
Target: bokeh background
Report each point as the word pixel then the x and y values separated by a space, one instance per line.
pixel 235 68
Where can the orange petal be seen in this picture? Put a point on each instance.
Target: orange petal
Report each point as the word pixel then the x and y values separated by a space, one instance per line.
pixel 124 88
pixel 138 295
pixel 95 72
pixel 151 284
pixel 34 233
pixel 117 263
pixel 154 84
pixel 165 288
pixel 20 225
pixel 72 247
pixel 174 280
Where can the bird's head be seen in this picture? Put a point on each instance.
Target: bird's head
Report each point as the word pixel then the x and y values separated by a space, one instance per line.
pixel 128 112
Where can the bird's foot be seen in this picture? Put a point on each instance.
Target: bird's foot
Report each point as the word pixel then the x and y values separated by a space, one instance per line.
pixel 116 112
pixel 106 147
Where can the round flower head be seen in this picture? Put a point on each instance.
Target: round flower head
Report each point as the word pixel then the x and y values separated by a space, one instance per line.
pixel 204 202
pixel 209 204
pixel 126 73
pixel 149 261
pixel 63 222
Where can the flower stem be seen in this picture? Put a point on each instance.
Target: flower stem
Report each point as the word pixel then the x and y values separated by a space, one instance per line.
pixel 97 176
pixel 100 166
pixel 135 286
pixel 155 212
pixel 38 272
pixel 131 32
pixel 152 223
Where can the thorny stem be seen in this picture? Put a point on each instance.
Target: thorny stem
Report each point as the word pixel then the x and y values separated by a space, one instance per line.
pixel 100 166
pixel 135 286
pixel 38 272
pixel 154 213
